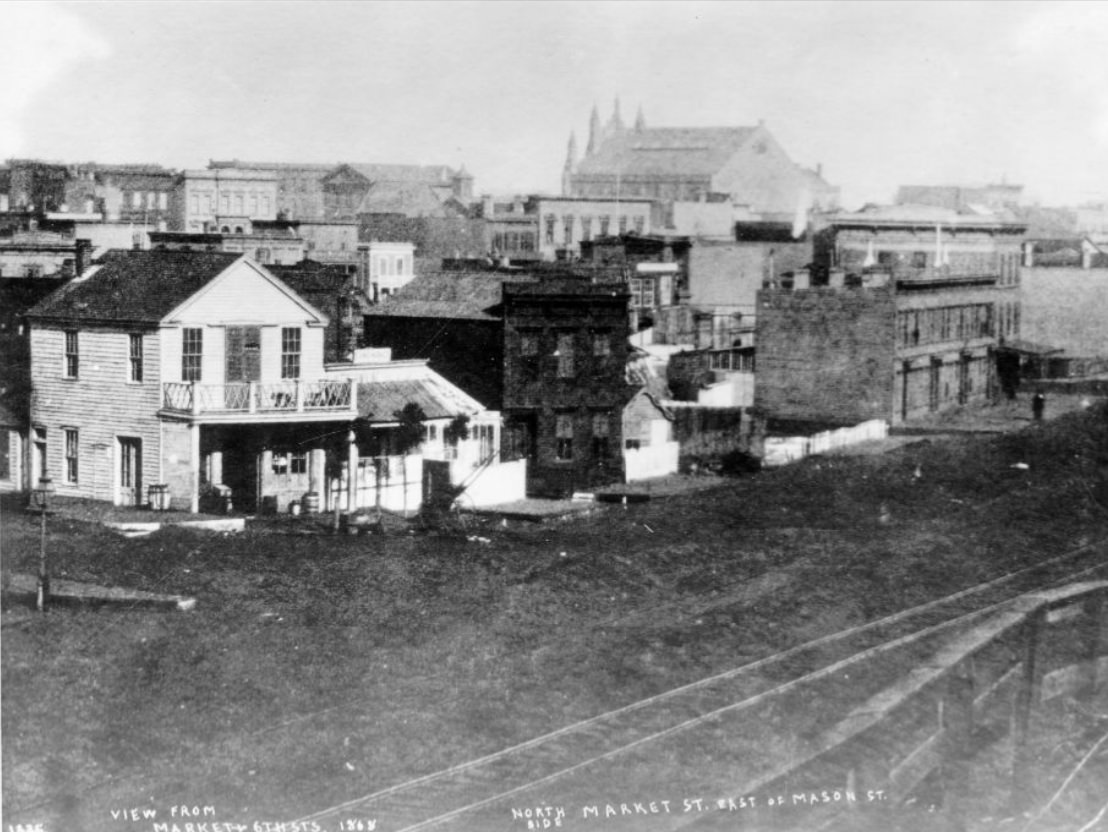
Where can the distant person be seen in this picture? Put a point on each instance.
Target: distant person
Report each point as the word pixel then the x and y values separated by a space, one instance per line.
pixel 1038 405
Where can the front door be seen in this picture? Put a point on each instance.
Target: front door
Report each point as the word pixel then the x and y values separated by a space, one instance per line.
pixel 243 364
pixel 130 471
pixel 934 391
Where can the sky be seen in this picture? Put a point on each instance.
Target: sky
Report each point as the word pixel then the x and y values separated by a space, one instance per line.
pixel 879 93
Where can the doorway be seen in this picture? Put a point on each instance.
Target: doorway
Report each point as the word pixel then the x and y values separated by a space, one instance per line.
pixel 130 471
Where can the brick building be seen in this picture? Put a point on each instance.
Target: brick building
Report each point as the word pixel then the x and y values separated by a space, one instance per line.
pixel 899 317
pixel 565 385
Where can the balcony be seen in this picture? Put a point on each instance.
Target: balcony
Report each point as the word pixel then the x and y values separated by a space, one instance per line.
pixel 255 401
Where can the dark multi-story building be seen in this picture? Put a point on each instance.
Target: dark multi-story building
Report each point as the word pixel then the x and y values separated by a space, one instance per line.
pixel 565 384
pixel 548 351
pixel 900 317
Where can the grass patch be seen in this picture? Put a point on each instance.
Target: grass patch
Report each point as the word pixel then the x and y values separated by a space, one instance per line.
pixel 318 667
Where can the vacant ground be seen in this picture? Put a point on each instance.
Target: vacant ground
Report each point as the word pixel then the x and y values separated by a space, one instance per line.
pixel 317 668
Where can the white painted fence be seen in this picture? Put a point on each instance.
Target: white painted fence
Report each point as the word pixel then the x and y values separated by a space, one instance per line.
pixel 490 485
pixel 781 450
pixel 655 460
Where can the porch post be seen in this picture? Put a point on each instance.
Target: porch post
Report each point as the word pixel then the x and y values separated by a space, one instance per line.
pixel 194 468
pixel 317 464
pixel 352 472
pixel 263 474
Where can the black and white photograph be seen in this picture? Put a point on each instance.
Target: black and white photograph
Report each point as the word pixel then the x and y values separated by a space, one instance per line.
pixel 504 416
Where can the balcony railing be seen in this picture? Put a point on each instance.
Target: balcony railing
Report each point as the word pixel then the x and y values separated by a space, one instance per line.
pixel 278 397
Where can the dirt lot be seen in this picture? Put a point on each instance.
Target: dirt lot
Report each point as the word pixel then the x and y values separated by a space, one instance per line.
pixel 318 667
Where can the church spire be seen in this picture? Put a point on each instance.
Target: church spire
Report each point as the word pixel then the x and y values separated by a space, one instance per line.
pixel 571 164
pixel 616 123
pixel 594 132
pixel 640 121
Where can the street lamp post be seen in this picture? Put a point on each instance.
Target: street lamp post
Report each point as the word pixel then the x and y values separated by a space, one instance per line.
pixel 41 500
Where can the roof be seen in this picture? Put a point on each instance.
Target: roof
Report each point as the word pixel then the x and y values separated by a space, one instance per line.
pixel 1029 348
pixel 921 215
pixel 428 174
pixel 8 418
pixel 412 199
pixel 135 286
pixel 653 151
pixel 380 401
pixel 448 294
pixel 320 285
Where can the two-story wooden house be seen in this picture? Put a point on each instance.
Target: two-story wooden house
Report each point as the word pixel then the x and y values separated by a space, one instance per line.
pixel 202 372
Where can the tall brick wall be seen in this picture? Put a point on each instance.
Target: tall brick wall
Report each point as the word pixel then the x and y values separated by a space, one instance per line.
pixel 825 354
pixel 731 274
pixel 1065 308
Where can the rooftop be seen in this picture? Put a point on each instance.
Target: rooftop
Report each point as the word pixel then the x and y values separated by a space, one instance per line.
pixel 134 286
pixel 653 151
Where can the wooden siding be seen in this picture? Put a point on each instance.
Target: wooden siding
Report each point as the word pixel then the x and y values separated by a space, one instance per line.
pixel 243 296
pixel 102 404
pixel 16 456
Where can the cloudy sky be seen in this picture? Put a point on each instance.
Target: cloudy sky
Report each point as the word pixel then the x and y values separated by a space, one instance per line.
pixel 880 93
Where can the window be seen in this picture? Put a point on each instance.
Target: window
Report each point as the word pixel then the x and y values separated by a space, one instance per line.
pixel 151 200
pixel 640 224
pixel 529 354
pixel 291 462
pixel 566 368
pixel 136 199
pixel 601 344
pixel 5 454
pixel 262 255
pixel 163 201
pixel 192 354
pixel 290 352
pixel 919 259
pixel 605 224
pixel 72 356
pixel 563 435
pixel 486 437
pixel 550 220
pixel 622 223
pixel 71 456
pixel 195 202
pixel 136 356
pixel 567 230
pixel 601 430
pixel 586 228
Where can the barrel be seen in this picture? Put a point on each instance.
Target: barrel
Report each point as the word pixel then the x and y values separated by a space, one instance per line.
pixel 310 503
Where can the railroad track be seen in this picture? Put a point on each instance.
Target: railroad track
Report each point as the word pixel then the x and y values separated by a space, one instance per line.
pixel 523 774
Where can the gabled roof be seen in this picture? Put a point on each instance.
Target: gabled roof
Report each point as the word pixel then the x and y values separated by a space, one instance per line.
pixel 135 286
pixel 654 151
pixel 412 199
pixel 449 294
pixel 429 174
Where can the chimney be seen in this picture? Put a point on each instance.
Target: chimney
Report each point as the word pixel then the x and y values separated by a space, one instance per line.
pixel 82 256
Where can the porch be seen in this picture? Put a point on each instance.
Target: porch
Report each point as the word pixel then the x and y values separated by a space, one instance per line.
pixel 257 401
